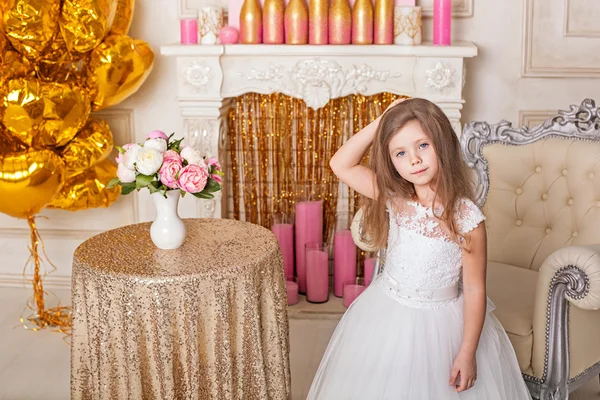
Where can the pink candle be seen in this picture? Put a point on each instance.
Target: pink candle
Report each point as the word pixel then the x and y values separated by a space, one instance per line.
pixel 344 257
pixel 189 30
pixel 351 292
pixel 291 288
pixel 442 22
pixel 309 228
pixel 369 267
pixel 317 275
pixel 285 238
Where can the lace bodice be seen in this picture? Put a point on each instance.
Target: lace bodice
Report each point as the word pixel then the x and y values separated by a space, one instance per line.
pixel 420 253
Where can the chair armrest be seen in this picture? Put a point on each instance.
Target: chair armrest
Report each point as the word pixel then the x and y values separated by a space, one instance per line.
pixel 569 275
pixel 577 267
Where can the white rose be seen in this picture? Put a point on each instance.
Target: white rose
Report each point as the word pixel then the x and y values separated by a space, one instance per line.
pixel 125 174
pixel 192 156
pixel 156 144
pixel 131 156
pixel 149 161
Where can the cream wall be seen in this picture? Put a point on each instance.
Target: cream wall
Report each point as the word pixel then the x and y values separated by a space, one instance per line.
pixel 563 67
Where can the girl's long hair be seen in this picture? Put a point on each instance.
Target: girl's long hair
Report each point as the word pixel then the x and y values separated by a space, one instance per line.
pixel 451 183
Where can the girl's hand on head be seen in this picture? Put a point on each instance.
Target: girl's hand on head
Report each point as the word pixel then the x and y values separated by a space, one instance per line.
pixel 466 366
pixel 395 103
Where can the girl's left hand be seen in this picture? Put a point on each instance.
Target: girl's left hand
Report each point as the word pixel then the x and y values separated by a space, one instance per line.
pixel 466 366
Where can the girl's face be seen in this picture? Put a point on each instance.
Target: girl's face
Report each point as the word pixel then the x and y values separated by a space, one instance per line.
pixel 413 154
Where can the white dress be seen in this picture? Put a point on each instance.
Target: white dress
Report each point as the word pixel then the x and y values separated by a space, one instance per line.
pixel 399 339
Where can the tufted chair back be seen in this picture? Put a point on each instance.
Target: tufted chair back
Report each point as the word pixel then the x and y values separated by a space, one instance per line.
pixel 539 188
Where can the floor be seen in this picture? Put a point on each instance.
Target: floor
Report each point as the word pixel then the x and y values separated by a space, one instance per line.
pixel 35 365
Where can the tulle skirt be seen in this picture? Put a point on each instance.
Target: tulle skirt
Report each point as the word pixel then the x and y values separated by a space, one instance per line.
pixel 382 349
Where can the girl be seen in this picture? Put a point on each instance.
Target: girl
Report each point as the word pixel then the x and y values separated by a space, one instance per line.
pixel 423 330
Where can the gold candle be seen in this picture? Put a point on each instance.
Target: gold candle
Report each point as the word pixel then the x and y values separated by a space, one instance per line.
pixel 384 22
pixel 362 22
pixel 296 22
pixel 251 22
pixel 340 22
pixel 317 22
pixel 273 11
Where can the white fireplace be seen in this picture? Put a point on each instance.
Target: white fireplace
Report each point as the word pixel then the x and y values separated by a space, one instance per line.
pixel 209 75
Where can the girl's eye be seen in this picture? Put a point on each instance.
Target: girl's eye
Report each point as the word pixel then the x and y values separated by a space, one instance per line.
pixel 423 145
pixel 400 154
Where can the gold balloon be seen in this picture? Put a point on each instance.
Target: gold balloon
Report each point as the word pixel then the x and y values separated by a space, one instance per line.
pixel 28 181
pixel 117 69
pixel 123 17
pixel 31 24
pixel 10 144
pixel 58 65
pixel 66 109
pixel 91 145
pixel 84 23
pixel 44 114
pixel 88 189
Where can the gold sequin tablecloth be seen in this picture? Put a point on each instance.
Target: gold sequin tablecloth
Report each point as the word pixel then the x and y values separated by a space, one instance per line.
pixel 205 321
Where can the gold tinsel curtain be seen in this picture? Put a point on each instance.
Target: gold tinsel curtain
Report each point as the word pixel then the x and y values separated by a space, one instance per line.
pixel 280 148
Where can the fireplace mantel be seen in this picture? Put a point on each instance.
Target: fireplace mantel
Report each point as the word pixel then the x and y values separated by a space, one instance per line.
pixel 208 75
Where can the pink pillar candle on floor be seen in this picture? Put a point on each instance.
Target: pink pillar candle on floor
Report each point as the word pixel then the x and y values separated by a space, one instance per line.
pixel 369 267
pixel 344 260
pixel 189 30
pixel 309 228
pixel 285 237
pixel 317 273
pixel 442 22
pixel 351 292
pixel 291 288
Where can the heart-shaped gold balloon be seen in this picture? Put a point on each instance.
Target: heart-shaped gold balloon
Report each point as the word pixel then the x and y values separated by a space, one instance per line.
pixel 44 114
pixel 31 24
pixel 117 69
pixel 28 181
pixel 58 65
pixel 91 145
pixel 88 189
pixel 84 23
pixel 123 17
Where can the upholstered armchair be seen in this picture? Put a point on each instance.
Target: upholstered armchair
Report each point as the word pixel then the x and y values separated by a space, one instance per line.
pixel 540 191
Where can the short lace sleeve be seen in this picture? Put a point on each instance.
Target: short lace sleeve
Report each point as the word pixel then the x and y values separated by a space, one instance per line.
pixel 468 216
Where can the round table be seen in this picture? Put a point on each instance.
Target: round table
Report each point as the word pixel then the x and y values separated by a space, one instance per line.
pixel 205 321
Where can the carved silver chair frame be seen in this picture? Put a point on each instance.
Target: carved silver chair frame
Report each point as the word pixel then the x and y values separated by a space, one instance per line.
pixel 580 122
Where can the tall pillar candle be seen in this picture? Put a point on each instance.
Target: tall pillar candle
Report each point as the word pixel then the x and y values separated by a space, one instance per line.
pixel 318 31
pixel 344 260
pixel 284 232
pixel 309 228
pixel 442 22
pixel 188 30
pixel 317 273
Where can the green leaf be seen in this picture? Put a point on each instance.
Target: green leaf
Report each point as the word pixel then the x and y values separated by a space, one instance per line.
pixel 202 195
pixel 112 183
pixel 127 189
pixel 143 180
pixel 120 149
pixel 212 186
pixel 153 189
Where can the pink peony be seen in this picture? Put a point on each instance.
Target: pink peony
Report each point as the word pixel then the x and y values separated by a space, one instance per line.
pixel 213 162
pixel 157 135
pixel 168 172
pixel 192 178
pixel 172 155
pixel 217 178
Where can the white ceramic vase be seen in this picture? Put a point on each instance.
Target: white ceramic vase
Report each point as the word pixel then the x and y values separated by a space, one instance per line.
pixel 168 230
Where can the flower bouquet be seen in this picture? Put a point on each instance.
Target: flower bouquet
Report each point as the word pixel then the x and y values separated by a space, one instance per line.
pixel 167 169
pixel 162 163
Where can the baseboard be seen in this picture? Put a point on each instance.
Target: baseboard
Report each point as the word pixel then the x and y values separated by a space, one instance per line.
pixel 49 282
